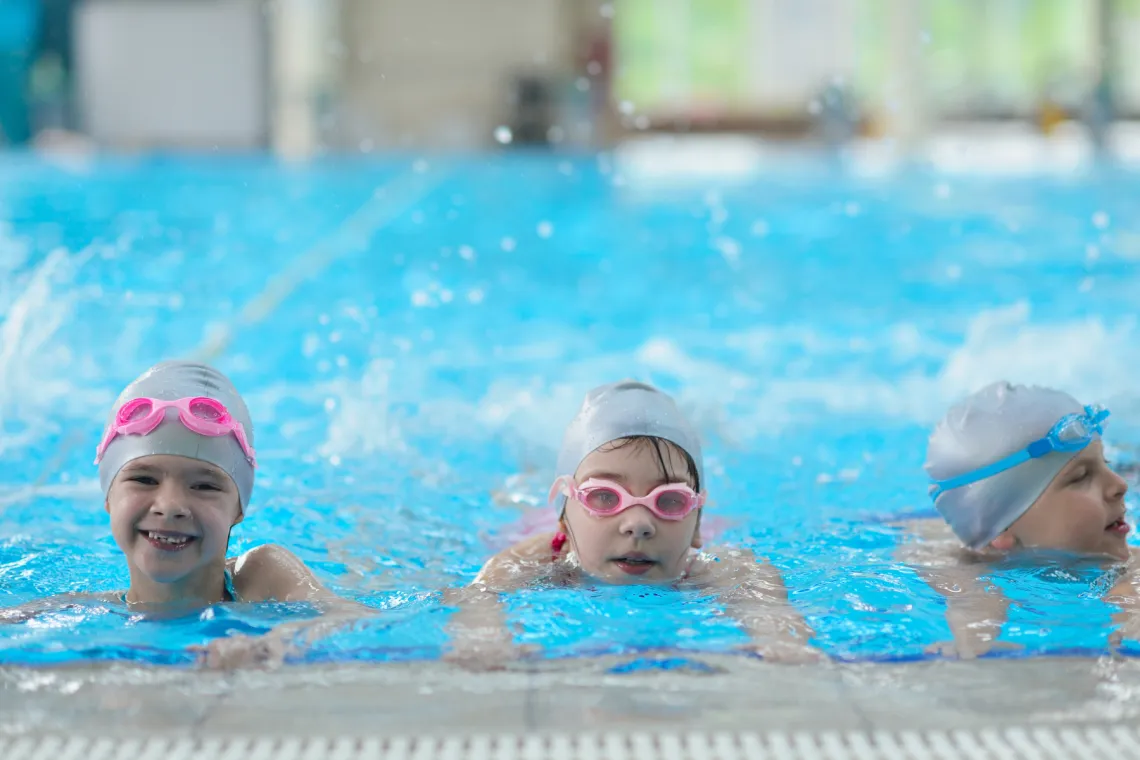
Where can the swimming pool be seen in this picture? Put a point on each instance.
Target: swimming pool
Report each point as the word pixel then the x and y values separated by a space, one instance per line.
pixel 412 335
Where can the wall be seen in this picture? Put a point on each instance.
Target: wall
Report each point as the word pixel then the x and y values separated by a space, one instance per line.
pixel 185 73
pixel 438 72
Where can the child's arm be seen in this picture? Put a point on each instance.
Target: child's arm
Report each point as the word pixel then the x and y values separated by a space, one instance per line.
pixel 480 637
pixel 975 609
pixel 1126 596
pixel 753 593
pixel 273 573
pixel 24 612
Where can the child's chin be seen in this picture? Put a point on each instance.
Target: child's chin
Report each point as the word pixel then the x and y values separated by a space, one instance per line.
pixel 165 572
pixel 1120 550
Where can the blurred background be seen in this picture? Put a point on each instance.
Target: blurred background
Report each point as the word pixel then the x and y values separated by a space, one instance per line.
pixel 302 77
pixel 817 223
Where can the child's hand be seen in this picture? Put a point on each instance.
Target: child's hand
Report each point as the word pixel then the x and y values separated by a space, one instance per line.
pixel 485 655
pixel 241 651
pixel 970 649
pixel 785 651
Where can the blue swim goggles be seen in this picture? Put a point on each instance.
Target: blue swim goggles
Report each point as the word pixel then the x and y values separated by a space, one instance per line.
pixel 1071 433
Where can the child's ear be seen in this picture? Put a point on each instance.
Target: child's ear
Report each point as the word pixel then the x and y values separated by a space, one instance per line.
pixel 1004 542
pixel 107 505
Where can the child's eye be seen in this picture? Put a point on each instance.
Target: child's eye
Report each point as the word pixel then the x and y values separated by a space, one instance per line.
pixel 207 487
pixel 145 480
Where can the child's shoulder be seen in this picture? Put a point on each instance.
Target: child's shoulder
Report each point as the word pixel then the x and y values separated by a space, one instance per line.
pixel 272 573
pixel 260 557
pixel 519 564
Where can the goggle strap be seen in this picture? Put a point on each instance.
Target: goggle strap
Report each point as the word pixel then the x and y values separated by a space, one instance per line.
pixel 965 479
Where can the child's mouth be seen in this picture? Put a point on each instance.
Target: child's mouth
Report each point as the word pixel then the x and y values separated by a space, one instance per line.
pixel 1119 527
pixel 167 541
pixel 634 564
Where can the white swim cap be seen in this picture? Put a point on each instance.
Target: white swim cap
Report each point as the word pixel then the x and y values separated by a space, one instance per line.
pixel 987 426
pixel 624 410
pixel 169 381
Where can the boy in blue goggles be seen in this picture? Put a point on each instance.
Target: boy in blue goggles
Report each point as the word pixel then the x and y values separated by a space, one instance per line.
pixel 1016 466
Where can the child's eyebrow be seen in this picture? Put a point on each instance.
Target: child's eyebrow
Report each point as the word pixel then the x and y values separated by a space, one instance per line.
pixel 603 476
pixel 659 481
pixel 204 472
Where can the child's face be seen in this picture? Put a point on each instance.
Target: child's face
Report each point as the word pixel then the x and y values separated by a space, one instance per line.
pixel 1081 511
pixel 171 516
pixel 605 545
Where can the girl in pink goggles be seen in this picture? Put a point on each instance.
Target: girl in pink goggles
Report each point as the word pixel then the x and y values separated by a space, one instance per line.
pixel 627 499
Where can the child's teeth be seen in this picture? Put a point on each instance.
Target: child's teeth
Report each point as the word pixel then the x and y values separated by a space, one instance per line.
pixel 169 539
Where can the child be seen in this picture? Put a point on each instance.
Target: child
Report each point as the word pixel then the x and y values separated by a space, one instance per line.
pixel 1016 469
pixel 176 465
pixel 629 492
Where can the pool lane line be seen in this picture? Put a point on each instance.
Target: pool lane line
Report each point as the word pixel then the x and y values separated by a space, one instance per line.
pixel 388 202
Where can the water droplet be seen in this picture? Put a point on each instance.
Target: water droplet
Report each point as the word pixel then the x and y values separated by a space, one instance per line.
pixel 593 68
pixel 626 107
pixel 729 249
pixel 475 295
pixel 760 228
pixel 507 244
pixel 545 229
pixel 503 135
pixel 466 252
pixel 1100 220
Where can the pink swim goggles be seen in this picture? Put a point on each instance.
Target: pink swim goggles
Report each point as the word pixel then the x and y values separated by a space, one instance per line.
pixel 604 498
pixel 201 415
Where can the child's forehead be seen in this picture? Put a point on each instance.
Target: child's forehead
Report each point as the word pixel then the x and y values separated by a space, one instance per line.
pixel 633 458
pixel 1091 453
pixel 172 464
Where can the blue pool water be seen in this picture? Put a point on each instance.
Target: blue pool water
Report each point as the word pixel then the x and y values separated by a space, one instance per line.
pixel 413 334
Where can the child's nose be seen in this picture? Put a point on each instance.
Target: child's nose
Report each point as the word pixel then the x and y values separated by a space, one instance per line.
pixel 637 522
pixel 169 503
pixel 1117 487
